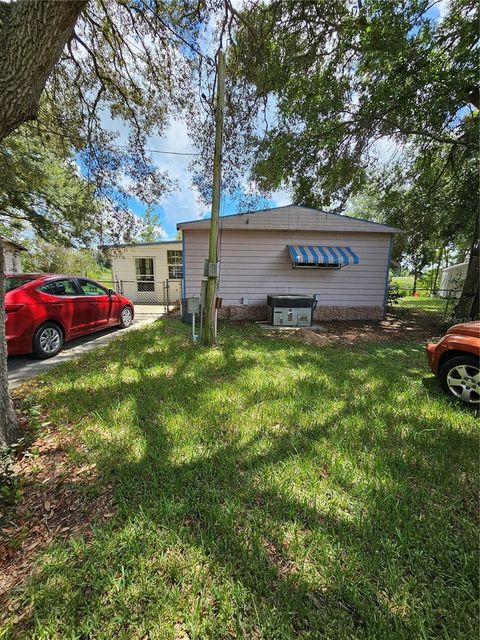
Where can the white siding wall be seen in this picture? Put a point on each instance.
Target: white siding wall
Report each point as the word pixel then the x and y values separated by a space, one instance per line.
pixel 123 268
pixel 12 261
pixel 256 263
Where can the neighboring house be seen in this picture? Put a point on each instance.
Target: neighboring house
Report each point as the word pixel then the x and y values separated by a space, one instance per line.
pixel 343 261
pixel 11 252
pixel 144 270
pixel 452 279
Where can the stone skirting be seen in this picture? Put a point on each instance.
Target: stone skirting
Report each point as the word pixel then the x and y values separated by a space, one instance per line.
pixel 243 312
pixel 324 312
pixel 332 312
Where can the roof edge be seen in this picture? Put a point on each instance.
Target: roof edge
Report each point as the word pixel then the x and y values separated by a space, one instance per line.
pixel 387 228
pixel 242 213
pixel 139 244
pixel 16 244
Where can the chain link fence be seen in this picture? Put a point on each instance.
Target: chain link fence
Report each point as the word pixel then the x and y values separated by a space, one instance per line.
pixel 110 284
pixel 446 298
pixel 151 291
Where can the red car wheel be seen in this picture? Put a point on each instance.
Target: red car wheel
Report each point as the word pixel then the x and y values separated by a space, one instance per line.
pixel 47 341
pixel 126 317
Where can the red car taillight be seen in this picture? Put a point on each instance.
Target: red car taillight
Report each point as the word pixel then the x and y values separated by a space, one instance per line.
pixel 13 308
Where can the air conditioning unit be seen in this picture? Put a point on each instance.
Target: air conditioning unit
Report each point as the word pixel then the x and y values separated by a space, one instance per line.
pixel 290 310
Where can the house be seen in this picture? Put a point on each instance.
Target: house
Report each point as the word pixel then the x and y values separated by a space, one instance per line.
pixel 148 272
pixel 343 261
pixel 452 279
pixel 11 254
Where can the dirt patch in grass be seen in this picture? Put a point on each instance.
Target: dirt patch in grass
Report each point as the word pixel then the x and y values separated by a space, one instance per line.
pixel 55 499
pixel 399 326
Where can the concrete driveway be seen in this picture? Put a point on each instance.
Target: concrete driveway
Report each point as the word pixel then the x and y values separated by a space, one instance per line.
pixel 21 368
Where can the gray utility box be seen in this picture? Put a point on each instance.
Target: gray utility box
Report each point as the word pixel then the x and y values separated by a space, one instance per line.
pixel 190 306
pixel 290 310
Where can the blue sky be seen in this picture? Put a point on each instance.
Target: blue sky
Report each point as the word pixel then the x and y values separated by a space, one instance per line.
pixel 184 203
pixel 170 215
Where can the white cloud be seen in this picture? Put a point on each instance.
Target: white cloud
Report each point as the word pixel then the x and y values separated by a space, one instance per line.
pixel 281 197
pixel 183 204
pixel 386 150
pixel 443 7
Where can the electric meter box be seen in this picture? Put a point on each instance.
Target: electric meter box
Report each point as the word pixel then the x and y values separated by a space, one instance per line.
pixel 290 310
pixel 193 305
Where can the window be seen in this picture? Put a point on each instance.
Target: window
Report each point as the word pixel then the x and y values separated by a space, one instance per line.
pixel 59 288
pixel 14 283
pixel 175 264
pixel 90 288
pixel 145 274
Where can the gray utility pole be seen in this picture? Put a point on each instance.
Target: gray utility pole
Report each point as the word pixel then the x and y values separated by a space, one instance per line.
pixel 211 295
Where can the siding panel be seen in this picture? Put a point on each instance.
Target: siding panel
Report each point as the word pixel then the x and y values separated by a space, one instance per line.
pixel 256 263
pixel 12 261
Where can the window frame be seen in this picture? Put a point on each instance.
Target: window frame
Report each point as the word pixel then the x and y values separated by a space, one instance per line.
pixel 73 281
pixel 18 277
pixel 172 263
pixel 90 295
pixel 145 280
pixel 180 270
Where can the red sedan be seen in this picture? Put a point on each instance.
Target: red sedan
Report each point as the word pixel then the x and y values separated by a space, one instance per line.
pixel 44 310
pixel 456 362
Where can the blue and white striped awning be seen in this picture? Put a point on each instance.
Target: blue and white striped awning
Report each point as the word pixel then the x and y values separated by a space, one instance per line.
pixel 321 256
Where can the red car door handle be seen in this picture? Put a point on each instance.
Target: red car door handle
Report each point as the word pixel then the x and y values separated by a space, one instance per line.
pixel 57 305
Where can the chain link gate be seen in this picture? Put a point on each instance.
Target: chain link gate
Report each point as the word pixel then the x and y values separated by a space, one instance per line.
pixel 152 292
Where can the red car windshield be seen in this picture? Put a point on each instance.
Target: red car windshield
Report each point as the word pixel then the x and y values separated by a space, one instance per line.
pixel 13 282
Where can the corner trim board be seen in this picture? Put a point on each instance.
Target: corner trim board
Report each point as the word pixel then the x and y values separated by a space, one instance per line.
pixel 387 272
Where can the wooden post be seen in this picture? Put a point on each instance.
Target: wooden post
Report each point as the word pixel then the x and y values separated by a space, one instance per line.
pixel 209 324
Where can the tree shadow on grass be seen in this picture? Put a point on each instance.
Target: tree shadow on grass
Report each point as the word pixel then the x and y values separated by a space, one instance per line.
pixel 261 493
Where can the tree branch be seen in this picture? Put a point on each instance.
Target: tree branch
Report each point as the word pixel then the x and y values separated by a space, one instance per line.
pixel 32 38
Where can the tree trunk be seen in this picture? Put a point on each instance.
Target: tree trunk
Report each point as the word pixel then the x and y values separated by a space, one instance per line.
pixel 32 38
pixel 8 422
pixel 437 271
pixel 415 274
pixel 468 304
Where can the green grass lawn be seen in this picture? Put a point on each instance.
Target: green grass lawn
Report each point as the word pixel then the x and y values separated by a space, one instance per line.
pixel 434 306
pixel 265 489
pixel 405 282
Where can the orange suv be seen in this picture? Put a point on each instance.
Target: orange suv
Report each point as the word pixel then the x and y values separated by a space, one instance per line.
pixel 455 360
